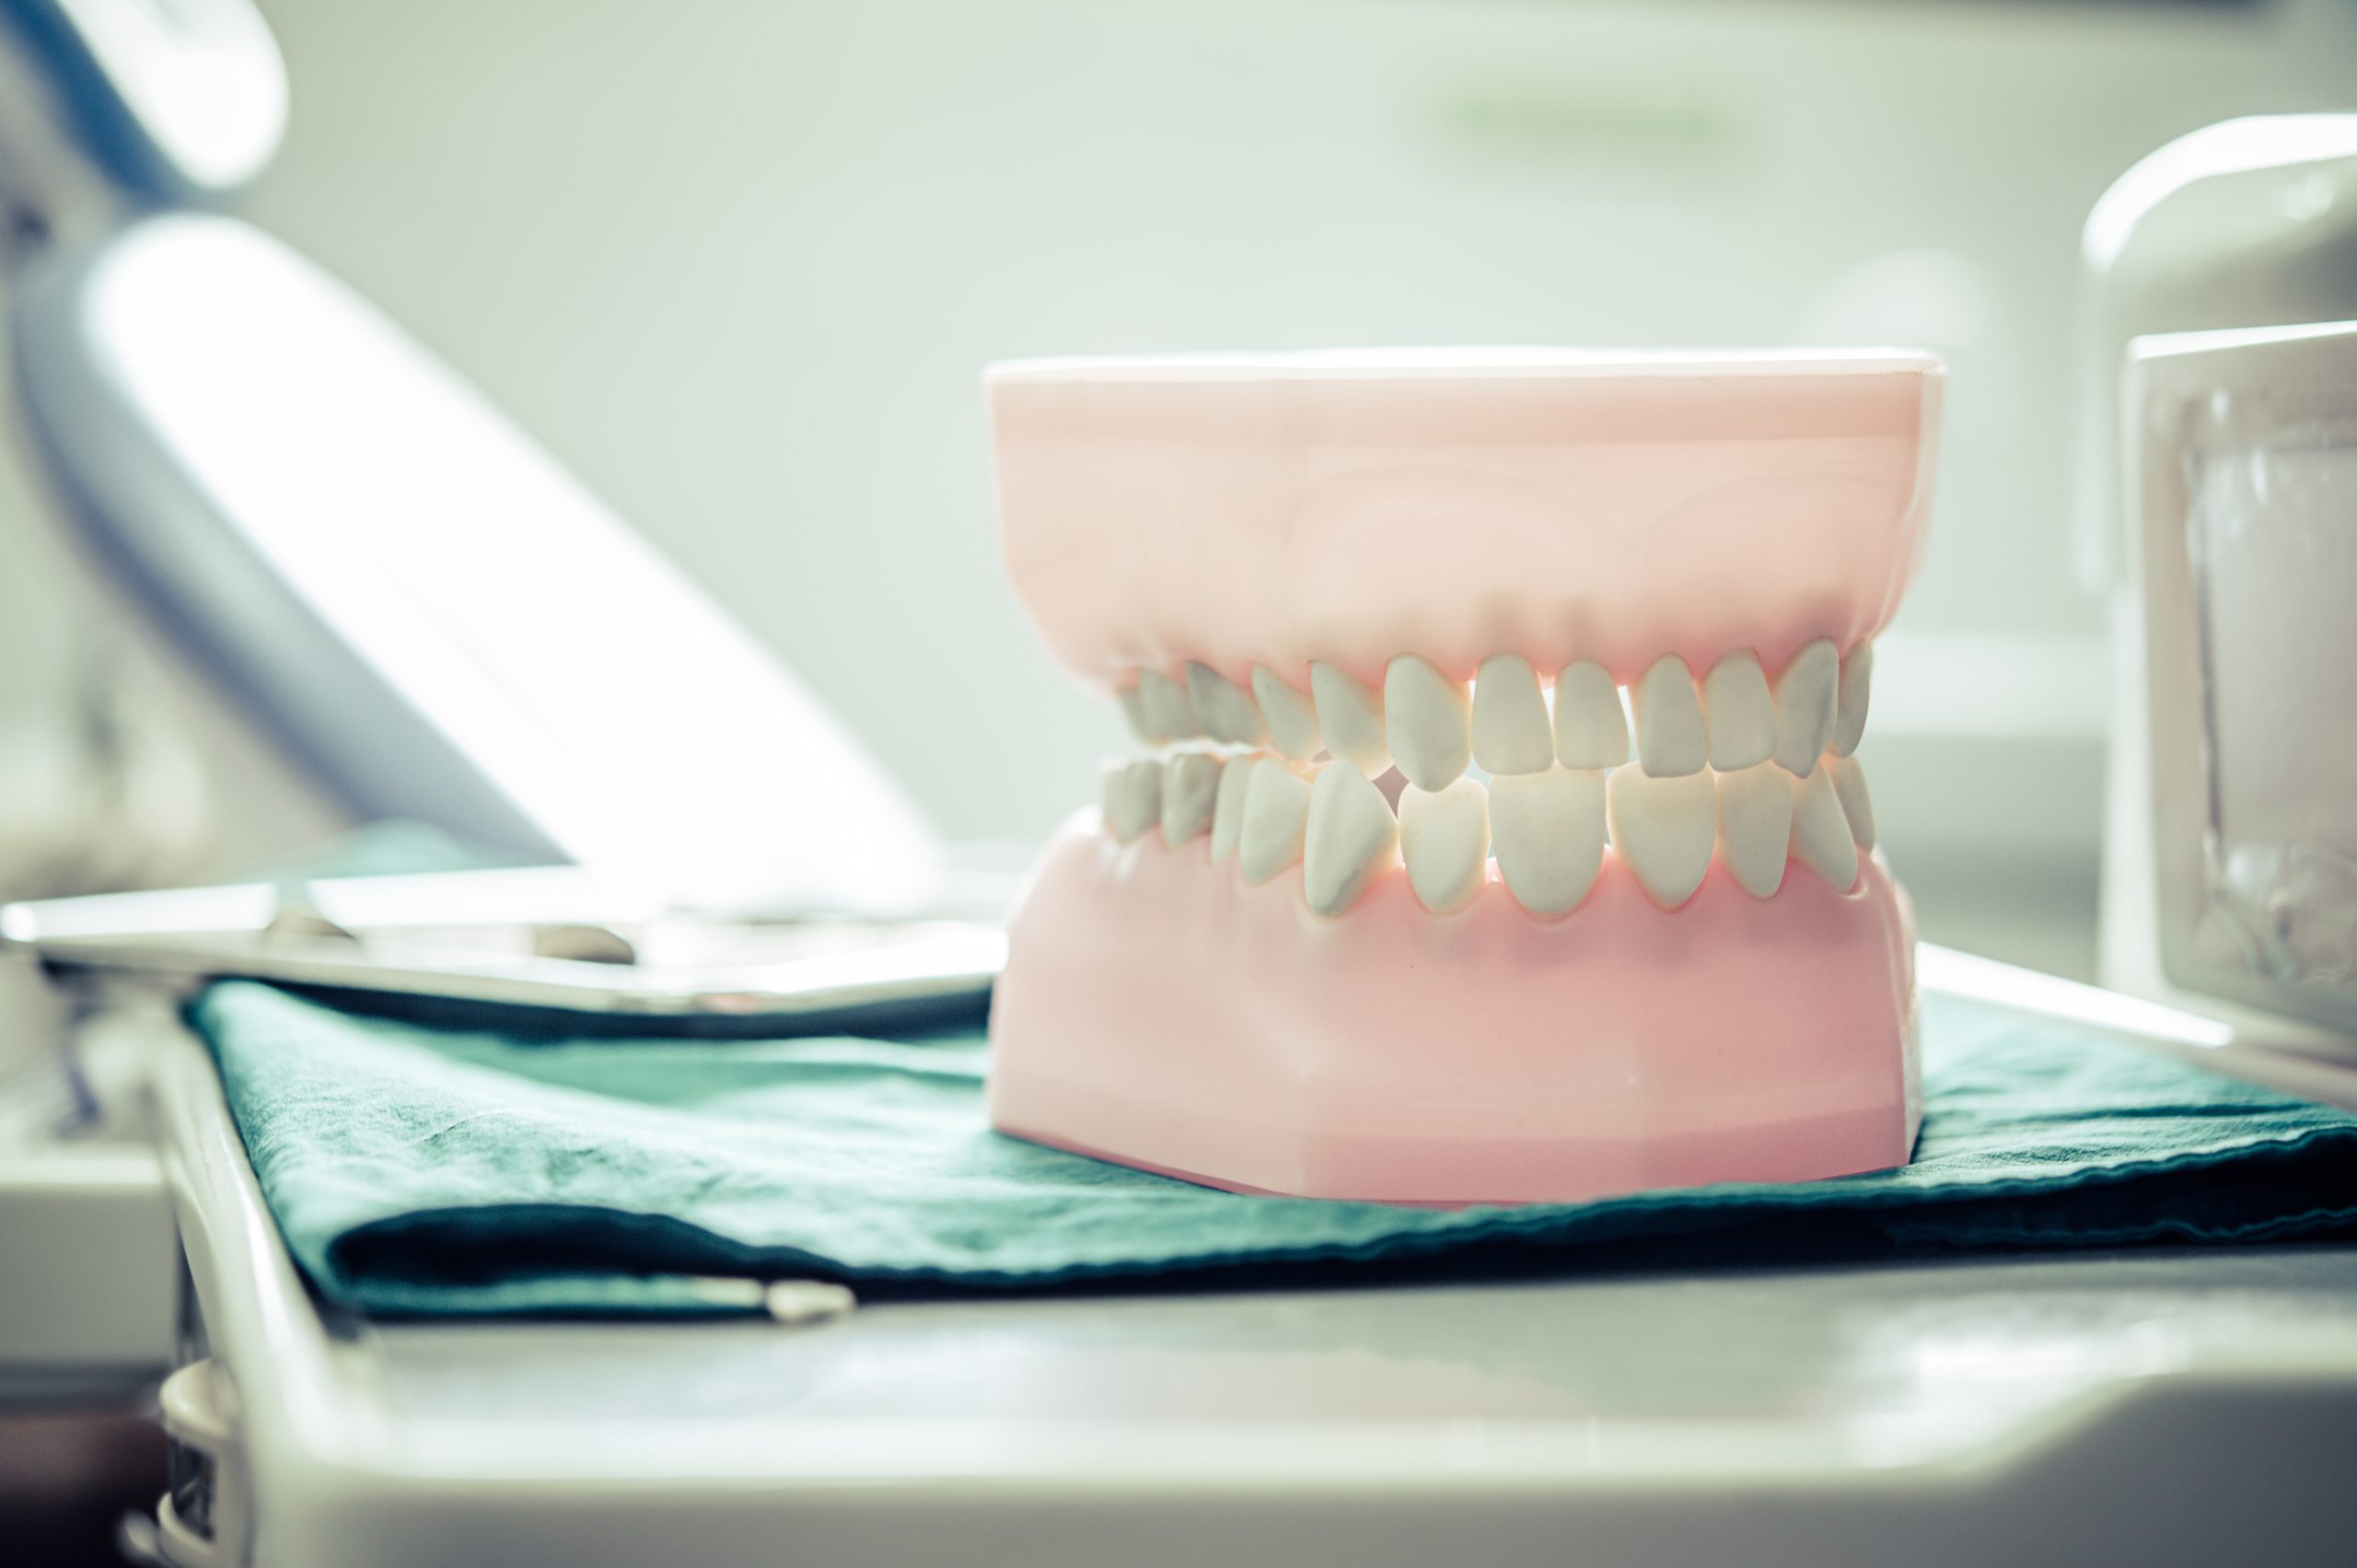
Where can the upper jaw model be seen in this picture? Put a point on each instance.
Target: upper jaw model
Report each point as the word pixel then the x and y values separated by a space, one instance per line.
pixel 1496 836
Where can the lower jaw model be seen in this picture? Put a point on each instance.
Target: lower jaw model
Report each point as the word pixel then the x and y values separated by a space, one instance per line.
pixel 1498 835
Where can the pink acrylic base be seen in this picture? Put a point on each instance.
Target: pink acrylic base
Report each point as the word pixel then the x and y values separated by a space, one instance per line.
pixel 1157 1012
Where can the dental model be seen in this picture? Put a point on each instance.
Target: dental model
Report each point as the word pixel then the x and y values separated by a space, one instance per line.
pixel 1498 835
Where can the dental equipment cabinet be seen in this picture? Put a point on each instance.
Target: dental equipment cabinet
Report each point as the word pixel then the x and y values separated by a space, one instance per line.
pixel 2146 1404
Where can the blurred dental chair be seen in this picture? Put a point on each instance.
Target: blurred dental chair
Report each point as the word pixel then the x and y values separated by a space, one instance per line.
pixel 424 617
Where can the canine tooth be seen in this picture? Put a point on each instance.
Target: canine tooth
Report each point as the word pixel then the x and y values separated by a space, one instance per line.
pixel 1821 838
pixel 1226 710
pixel 1850 788
pixel 1350 837
pixel 1445 839
pixel 1133 797
pixel 1510 717
pixel 1292 717
pixel 1548 829
pixel 1804 695
pixel 1739 714
pixel 1850 701
pixel 1189 789
pixel 1756 826
pixel 1664 829
pixel 1590 730
pixel 1168 714
pixel 1276 815
pixel 1671 742
pixel 1133 712
pixel 1350 715
pixel 1227 806
pixel 1425 717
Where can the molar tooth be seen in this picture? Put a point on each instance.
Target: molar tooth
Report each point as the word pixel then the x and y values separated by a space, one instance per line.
pixel 1671 742
pixel 1168 713
pixel 1445 839
pixel 1821 838
pixel 1227 806
pixel 1132 793
pixel 1350 715
pixel 1189 788
pixel 1549 831
pixel 1276 815
pixel 1849 702
pixel 1226 710
pixel 1590 730
pixel 1292 717
pixel 1133 712
pixel 1805 706
pixel 1663 828
pixel 1850 788
pixel 1510 717
pixel 1739 714
pixel 1756 826
pixel 1351 836
pixel 1424 714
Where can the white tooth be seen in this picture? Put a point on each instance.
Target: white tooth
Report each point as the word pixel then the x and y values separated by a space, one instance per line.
pixel 1350 715
pixel 1756 826
pixel 1850 698
pixel 1276 814
pixel 1738 713
pixel 1671 742
pixel 1189 789
pixel 1850 788
pixel 1132 793
pixel 1590 730
pixel 1821 838
pixel 1168 713
pixel 1510 717
pixel 1445 839
pixel 1352 835
pixel 1134 711
pixel 1227 806
pixel 1805 706
pixel 1226 710
pixel 1425 716
pixel 1293 719
pixel 1664 829
pixel 1548 829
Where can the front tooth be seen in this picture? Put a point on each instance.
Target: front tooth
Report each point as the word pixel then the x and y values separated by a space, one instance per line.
pixel 1549 831
pixel 1756 826
pixel 1350 715
pixel 1664 829
pixel 1445 839
pixel 1739 714
pixel 1134 712
pixel 1189 790
pixel 1423 711
pixel 1168 713
pixel 1850 698
pixel 1133 797
pixel 1850 788
pixel 1276 815
pixel 1821 838
pixel 1510 717
pixel 1590 730
pixel 1671 742
pixel 1351 836
pixel 1226 710
pixel 1292 718
pixel 1804 695
pixel 1227 806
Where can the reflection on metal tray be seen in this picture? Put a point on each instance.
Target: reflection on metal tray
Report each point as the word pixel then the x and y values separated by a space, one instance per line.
pixel 552 940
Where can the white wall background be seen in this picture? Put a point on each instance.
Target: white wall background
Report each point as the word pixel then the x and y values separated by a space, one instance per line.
pixel 739 262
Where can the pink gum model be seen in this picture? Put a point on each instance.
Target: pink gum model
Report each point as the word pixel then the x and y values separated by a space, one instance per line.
pixel 1229 975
